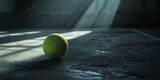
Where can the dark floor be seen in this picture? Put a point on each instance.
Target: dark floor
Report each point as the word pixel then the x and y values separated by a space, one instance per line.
pixel 94 54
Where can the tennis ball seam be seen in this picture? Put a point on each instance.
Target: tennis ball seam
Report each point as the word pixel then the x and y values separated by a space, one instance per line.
pixel 52 37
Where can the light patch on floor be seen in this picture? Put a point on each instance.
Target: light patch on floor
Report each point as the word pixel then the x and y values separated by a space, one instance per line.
pixel 2 32
pixel 19 34
pixel 75 34
pixel 28 49
pixel 22 42
pixel 14 48
pixel 22 56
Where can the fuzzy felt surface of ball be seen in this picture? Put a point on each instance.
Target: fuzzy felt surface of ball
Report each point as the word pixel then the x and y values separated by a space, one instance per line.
pixel 55 45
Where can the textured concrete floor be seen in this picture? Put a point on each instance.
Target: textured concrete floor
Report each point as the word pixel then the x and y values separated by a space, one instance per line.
pixel 94 54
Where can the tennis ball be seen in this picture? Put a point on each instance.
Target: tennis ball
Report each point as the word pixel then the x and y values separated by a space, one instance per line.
pixel 55 45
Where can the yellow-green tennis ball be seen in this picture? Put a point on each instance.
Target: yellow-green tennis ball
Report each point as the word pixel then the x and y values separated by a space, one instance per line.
pixel 55 45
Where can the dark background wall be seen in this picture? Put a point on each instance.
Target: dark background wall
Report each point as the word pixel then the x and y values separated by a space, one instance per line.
pixel 41 13
pixel 66 13
pixel 138 13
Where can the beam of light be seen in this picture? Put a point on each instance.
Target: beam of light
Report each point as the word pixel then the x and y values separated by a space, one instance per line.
pixel 19 34
pixel 108 13
pixel 30 49
pixel 100 14
pixel 91 14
